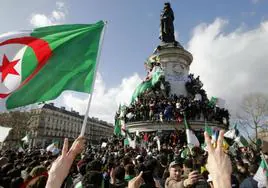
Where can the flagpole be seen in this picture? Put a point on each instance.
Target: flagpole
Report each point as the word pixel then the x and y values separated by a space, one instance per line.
pixel 83 129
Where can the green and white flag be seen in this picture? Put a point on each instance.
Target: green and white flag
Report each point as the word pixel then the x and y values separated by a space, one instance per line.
pixel 129 142
pixel 39 65
pixel 154 77
pixel 120 127
pixel 230 134
pixel 126 142
pixel 261 175
pixel 185 153
pixel 117 127
pixel 26 139
pixel 241 141
pixel 51 147
pixel 191 138
pixel 141 88
pixel 123 128
pixel 4 131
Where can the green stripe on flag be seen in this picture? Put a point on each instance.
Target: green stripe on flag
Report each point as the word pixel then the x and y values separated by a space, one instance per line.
pixel 185 123
pixel 142 87
pixel 71 67
pixel 157 75
pixel 117 127
pixel 126 142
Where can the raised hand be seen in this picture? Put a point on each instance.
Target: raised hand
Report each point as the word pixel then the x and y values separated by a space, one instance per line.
pixel 61 166
pixel 218 163
pixel 193 177
pixel 136 182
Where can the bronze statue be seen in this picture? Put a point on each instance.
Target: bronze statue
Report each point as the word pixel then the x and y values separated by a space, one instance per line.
pixel 166 25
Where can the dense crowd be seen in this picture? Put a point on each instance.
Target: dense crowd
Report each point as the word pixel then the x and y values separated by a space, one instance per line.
pixel 162 108
pixel 174 108
pixel 116 165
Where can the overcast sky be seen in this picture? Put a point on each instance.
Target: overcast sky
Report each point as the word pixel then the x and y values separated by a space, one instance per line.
pixel 228 40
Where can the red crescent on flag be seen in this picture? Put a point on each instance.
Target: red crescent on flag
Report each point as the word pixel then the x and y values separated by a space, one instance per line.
pixel 41 49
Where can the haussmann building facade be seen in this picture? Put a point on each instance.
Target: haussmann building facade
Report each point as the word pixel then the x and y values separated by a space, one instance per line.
pixel 52 124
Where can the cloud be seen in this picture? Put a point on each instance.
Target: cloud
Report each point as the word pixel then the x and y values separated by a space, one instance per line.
pixel 105 101
pixel 38 20
pixel 60 5
pixel 57 16
pixel 230 64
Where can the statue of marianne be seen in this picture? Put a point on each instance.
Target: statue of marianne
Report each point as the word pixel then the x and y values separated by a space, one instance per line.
pixel 166 24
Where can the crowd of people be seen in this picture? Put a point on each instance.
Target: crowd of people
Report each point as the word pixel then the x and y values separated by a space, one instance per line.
pixel 116 165
pixel 157 160
pixel 173 108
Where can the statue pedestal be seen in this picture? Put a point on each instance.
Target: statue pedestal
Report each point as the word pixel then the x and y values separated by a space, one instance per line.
pixel 153 126
pixel 175 61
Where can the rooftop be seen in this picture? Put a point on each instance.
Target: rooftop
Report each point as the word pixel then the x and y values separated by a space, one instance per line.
pixel 73 113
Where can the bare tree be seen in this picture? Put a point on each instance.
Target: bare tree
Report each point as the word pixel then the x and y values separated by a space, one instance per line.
pixel 253 114
pixel 18 121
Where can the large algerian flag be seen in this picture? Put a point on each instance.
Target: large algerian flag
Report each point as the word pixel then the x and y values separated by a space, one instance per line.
pixel 38 65
pixel 141 88
pixel 153 77
pixel 261 175
pixel 191 138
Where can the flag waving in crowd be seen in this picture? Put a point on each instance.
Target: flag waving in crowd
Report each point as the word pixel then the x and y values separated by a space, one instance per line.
pixel 261 175
pixel 191 138
pixel 26 138
pixel 38 65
